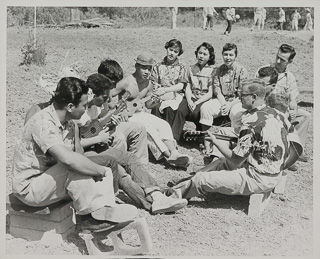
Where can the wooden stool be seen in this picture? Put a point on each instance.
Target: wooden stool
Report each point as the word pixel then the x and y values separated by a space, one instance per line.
pixel 50 224
pixel 120 248
pixel 257 203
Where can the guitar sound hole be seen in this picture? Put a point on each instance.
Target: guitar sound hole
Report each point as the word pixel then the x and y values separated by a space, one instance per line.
pixel 93 130
pixel 135 105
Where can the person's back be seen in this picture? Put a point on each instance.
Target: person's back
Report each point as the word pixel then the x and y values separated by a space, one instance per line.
pixel 268 126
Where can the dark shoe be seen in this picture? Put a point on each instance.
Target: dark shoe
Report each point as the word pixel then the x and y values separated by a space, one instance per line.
pixel 293 168
pixel 303 158
pixel 87 222
pixel 116 214
pixel 179 160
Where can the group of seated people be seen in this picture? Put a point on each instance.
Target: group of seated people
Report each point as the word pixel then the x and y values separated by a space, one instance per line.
pixel 85 145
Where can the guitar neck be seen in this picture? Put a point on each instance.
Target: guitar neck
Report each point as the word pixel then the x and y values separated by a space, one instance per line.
pixel 107 119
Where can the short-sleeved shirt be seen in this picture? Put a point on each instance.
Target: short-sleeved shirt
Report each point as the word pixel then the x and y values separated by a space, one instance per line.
pixel 258 11
pixel 168 75
pixel 200 80
pixel 228 80
pixel 210 10
pixel 40 133
pixel 296 16
pixel 264 141
pixel 282 16
pixel 230 13
pixel 286 84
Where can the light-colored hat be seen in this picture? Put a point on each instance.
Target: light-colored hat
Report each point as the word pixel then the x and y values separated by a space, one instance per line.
pixel 145 59
pixel 307 10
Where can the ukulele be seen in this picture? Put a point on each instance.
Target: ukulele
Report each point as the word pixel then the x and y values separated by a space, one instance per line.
pixel 96 126
pixel 135 105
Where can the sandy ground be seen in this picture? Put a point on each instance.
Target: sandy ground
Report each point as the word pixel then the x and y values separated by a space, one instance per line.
pixel 212 225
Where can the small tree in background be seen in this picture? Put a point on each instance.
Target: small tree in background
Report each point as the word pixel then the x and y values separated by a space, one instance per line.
pixel 33 51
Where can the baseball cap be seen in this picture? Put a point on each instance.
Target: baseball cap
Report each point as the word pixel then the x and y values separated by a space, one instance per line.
pixel 145 59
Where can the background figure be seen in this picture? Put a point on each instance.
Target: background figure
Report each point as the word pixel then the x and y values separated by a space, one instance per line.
pixel 309 22
pixel 258 17
pixel 294 20
pixel 264 16
pixel 230 16
pixel 282 18
pixel 174 12
pixel 208 17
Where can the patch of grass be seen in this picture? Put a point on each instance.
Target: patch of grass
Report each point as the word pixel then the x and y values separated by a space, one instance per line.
pixel 34 51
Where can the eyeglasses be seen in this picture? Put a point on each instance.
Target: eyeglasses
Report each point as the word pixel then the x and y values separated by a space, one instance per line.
pixel 241 95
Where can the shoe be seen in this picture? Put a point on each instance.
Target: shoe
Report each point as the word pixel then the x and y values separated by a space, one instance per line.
pixel 167 204
pixel 180 160
pixel 87 222
pixel 293 168
pixel 303 158
pixel 116 214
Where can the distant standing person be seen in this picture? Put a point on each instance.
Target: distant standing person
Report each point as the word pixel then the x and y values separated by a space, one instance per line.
pixel 208 17
pixel 230 16
pixel 174 13
pixel 294 20
pixel 282 18
pixel 258 17
pixel 309 22
pixel 264 16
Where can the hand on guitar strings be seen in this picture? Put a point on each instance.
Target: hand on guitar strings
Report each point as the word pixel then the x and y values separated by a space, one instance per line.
pixel 117 119
pixel 212 136
pixel 105 137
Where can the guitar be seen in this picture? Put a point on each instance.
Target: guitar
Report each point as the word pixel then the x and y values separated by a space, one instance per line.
pixel 194 135
pixel 135 105
pixel 96 126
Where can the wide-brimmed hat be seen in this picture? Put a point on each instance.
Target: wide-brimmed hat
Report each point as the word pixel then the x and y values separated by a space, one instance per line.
pixel 307 10
pixel 145 59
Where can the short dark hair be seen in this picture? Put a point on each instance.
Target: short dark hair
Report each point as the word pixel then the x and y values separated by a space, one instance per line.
pixel 210 48
pixel 99 84
pixel 230 46
pixel 174 43
pixel 269 71
pixel 69 90
pixel 256 86
pixel 111 69
pixel 285 48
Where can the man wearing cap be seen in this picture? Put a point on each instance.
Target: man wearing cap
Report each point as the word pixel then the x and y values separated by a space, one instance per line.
pixel 254 165
pixel 160 138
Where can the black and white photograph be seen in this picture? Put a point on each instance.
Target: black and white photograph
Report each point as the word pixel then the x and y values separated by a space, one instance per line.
pixel 145 129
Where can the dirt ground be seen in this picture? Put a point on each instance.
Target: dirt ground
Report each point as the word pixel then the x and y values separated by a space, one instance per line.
pixel 215 225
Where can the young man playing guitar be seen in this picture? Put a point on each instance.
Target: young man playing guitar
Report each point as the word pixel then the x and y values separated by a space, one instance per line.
pixel 138 184
pixel 160 137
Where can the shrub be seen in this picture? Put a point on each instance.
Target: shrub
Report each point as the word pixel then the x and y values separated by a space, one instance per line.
pixel 33 51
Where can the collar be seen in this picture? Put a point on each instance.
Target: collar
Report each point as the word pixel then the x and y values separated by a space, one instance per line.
pixel 274 65
pixel 225 68
pixel 175 63
pixel 260 107
pixel 205 66
pixel 53 113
